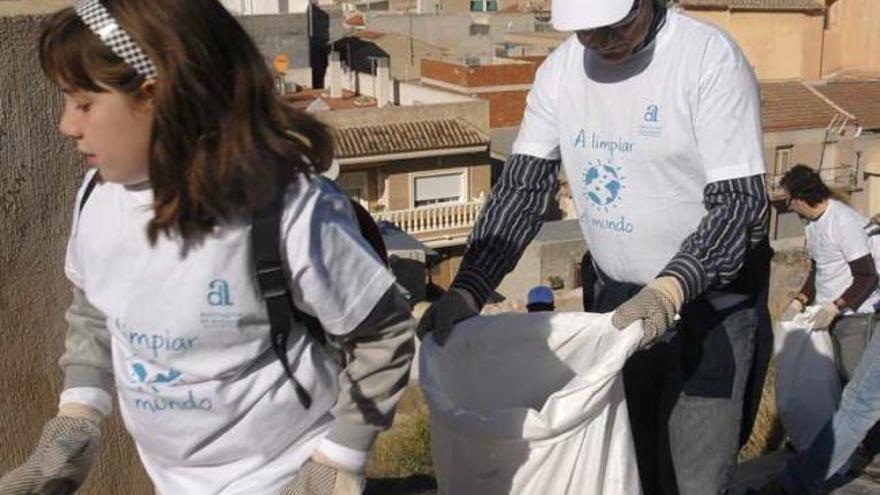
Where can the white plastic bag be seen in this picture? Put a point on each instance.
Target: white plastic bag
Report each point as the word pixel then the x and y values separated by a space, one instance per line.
pixel 807 383
pixel 531 404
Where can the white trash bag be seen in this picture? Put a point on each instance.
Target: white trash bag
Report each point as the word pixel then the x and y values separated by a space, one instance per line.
pixel 531 404
pixel 808 386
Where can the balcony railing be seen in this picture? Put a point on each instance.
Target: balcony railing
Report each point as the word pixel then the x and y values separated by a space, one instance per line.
pixel 840 177
pixel 438 218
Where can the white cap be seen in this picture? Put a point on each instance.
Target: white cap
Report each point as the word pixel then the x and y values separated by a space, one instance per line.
pixel 574 15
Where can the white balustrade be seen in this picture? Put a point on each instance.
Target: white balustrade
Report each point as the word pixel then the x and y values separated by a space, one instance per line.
pixel 438 218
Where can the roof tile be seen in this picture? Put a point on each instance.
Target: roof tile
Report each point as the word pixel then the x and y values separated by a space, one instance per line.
pixel 860 98
pixel 404 137
pixel 807 5
pixel 791 105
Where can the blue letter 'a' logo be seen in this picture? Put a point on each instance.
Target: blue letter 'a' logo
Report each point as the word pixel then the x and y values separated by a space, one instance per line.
pixel 652 113
pixel 218 293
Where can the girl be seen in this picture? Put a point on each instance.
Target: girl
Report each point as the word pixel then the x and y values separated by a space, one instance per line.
pixel 172 104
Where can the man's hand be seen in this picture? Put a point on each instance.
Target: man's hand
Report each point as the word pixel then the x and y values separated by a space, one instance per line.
pixel 656 305
pixel 453 307
pixel 61 460
pixel 793 309
pixel 825 316
pixel 319 476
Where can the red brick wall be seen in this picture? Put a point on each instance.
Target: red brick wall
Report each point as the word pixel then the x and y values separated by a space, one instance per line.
pixel 505 107
pixel 485 75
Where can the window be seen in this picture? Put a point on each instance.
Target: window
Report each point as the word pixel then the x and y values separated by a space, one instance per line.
pixel 479 30
pixel 476 5
pixel 783 160
pixel 438 189
pixel 491 6
pixel 543 27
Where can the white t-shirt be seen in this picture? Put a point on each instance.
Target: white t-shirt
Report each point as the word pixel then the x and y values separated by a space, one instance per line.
pixel 200 389
pixel 640 141
pixel 833 241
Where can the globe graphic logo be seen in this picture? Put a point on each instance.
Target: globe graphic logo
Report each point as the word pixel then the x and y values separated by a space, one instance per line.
pixel 602 185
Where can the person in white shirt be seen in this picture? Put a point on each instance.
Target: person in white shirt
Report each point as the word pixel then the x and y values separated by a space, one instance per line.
pixel 842 277
pixel 843 282
pixel 173 105
pixel 655 118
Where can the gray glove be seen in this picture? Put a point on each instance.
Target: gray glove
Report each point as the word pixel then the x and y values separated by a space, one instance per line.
pixel 317 478
pixel 825 316
pixel 656 305
pixel 60 462
pixel 453 307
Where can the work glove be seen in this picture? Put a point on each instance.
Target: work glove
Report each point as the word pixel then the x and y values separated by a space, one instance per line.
pixel 61 460
pixel 794 308
pixel 656 305
pixel 454 306
pixel 320 476
pixel 825 316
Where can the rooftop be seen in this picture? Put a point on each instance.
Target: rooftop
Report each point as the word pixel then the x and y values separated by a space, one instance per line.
pixel 308 99
pixel 406 137
pixel 790 105
pixel 798 5
pixel 859 98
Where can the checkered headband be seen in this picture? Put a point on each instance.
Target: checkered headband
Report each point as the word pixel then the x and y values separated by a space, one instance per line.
pixel 105 27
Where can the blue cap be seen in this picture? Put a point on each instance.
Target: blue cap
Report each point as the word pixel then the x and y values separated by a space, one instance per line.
pixel 540 294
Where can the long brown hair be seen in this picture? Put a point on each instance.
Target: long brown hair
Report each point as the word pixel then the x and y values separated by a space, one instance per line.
pixel 224 144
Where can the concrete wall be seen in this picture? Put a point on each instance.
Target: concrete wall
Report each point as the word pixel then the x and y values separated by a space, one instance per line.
pixel 276 34
pixel 869 147
pixel 779 45
pixel 852 40
pixel 542 260
pixel 806 147
pixel 39 174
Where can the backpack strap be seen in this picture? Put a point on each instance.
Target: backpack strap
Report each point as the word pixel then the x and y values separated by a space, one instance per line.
pixel 93 181
pixel 266 245
pixel 369 230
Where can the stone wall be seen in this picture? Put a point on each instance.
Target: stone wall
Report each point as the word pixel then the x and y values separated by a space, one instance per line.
pixel 39 175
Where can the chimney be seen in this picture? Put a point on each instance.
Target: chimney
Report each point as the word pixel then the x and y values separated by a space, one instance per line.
pixel 334 73
pixel 383 82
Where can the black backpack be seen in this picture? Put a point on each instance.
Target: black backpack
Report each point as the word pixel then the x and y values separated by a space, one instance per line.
pixel 265 246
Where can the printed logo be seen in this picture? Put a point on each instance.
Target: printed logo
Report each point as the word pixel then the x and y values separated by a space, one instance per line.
pixel 651 113
pixel 218 293
pixel 160 382
pixel 157 381
pixel 603 183
pixel 651 122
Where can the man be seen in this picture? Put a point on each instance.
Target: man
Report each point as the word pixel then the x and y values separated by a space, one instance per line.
pixel 842 274
pixel 656 118
pixel 843 282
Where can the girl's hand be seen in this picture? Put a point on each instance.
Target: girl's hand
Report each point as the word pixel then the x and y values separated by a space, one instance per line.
pixel 61 460
pixel 319 477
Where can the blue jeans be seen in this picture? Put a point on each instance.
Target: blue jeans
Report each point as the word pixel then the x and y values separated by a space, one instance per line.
pixel 858 412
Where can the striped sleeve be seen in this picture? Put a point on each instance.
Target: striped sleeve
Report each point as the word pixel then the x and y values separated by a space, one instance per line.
pixel 737 219
pixel 510 219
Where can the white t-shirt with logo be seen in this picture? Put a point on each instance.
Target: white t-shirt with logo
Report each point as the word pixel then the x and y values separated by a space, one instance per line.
pixel 833 241
pixel 200 389
pixel 640 141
